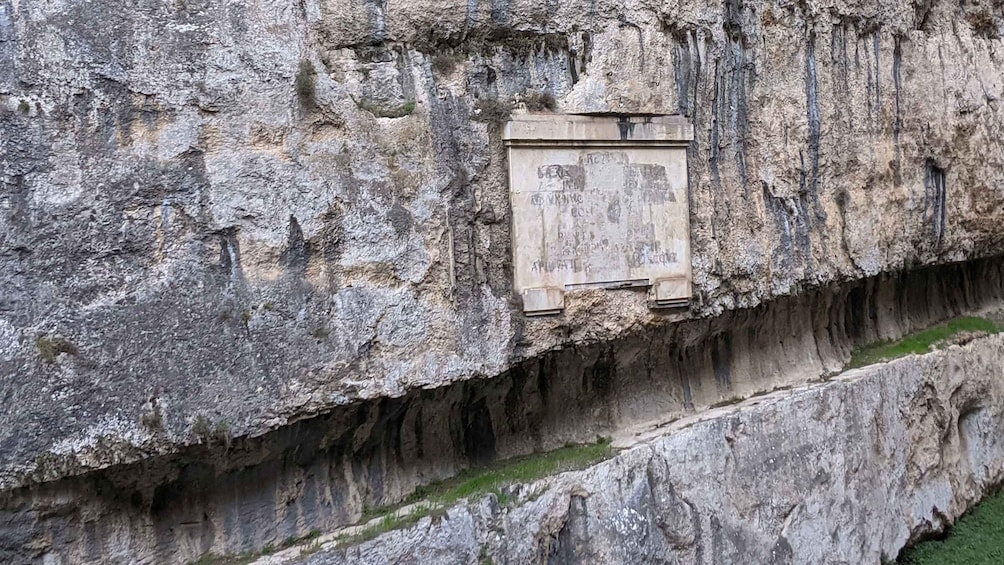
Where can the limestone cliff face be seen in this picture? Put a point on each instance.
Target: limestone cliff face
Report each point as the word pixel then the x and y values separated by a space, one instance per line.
pixel 220 217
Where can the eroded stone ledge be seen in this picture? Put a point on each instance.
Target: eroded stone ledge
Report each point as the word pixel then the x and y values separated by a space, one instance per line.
pixel 847 471
pixel 233 495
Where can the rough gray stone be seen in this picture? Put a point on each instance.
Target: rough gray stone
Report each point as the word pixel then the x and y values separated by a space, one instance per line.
pixel 228 253
pixel 841 472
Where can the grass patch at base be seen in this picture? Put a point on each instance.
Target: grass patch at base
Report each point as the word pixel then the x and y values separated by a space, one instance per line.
pixel 434 498
pixel 922 341
pixel 977 538
pixel 519 470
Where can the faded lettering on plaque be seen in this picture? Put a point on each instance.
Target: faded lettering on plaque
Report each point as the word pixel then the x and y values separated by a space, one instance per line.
pixel 599 215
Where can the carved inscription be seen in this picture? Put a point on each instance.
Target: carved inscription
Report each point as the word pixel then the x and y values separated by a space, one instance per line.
pixel 595 215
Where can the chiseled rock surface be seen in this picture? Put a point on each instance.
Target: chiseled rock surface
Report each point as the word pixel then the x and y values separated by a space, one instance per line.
pixel 240 214
pixel 840 472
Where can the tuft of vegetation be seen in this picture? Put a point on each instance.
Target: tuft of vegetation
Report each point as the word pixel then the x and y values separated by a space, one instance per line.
pixel 731 401
pixel 201 427
pixel 49 348
pixel 24 107
pixel 975 539
pixel 208 433
pixel 214 559
pixel 433 500
pixel 494 478
pixel 293 540
pixel 497 477
pixel 540 102
pixel 492 111
pixel 248 557
pixel 381 111
pixel 983 24
pixel 306 79
pixel 955 331
pixel 445 63
pixel 391 522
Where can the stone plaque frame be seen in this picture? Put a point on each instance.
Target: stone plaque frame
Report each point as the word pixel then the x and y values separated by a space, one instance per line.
pixel 599 202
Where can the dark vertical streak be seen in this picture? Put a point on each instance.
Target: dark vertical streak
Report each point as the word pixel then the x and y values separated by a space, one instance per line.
pixel 815 126
pixel 897 126
pixel 876 45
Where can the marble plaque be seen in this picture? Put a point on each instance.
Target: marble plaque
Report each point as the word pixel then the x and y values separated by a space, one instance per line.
pixel 598 202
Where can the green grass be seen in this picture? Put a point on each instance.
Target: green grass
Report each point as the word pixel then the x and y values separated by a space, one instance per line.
pixel 248 557
pixel 434 498
pixel 389 523
pixel 976 539
pixel 519 470
pixel 383 111
pixel 922 341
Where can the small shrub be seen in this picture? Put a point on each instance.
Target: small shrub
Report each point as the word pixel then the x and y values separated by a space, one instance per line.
pixel 381 111
pixel 445 63
pixel 305 84
pixel 492 111
pixel 222 433
pixel 49 348
pixel 201 428
pixel 540 102
pixel 151 418
pixel 24 107
pixel 983 24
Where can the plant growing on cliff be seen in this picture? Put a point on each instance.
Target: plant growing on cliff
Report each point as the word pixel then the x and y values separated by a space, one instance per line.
pixel 49 348
pixel 983 24
pixel 207 433
pixel 384 111
pixel 498 477
pixel 540 101
pixel 976 538
pixel 445 63
pixel 491 111
pixel 957 330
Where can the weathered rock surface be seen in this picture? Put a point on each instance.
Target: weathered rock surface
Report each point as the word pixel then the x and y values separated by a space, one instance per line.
pixel 218 219
pixel 230 496
pixel 843 472
pixel 227 217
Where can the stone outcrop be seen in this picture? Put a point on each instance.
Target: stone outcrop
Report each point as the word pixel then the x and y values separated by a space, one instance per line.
pixel 232 495
pixel 247 214
pixel 226 224
pixel 841 472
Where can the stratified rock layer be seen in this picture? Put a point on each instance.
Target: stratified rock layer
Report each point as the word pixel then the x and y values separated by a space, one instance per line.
pixel 836 473
pixel 225 217
pixel 234 495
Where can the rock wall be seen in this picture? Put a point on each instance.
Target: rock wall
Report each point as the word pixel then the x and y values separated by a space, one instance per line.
pixel 841 472
pixel 235 495
pixel 219 218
